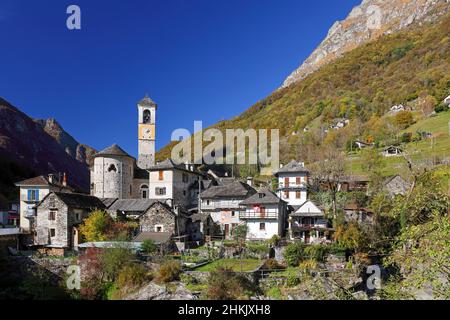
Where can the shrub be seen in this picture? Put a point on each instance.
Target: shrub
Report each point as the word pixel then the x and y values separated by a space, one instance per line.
pixel 294 253
pixel 114 259
pixel 272 264
pixel 169 271
pixel 274 241
pixel 148 246
pixel 292 280
pixel 224 284
pixel 132 276
pixel 317 252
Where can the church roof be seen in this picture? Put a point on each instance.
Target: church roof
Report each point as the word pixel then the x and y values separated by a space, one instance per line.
pixel 293 167
pixel 147 102
pixel 113 150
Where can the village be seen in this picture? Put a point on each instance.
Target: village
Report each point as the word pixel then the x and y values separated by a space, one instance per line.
pixel 203 219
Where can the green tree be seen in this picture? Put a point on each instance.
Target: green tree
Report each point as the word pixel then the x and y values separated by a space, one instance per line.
pixel 294 253
pixel 149 247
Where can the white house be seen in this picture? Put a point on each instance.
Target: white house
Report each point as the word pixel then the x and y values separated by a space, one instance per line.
pixel 292 183
pixel 392 151
pixel 34 190
pixel 223 203
pixel 175 184
pixel 265 215
pixel 309 225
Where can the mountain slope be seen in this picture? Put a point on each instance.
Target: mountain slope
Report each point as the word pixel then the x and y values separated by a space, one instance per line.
pixel 403 67
pixel 40 147
pixel 365 23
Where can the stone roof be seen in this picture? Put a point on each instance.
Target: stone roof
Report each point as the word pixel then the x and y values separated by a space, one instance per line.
pixel 308 209
pixel 201 216
pixel 78 200
pixel 132 205
pixel 108 201
pixel 156 237
pixel 113 150
pixel 147 102
pixel 231 190
pixel 292 167
pixel 41 181
pixel 169 164
pixel 264 196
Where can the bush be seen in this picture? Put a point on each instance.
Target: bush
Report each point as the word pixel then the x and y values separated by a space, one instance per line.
pixel 148 246
pixel 317 252
pixel 259 249
pixel 224 284
pixel 294 253
pixel 169 271
pixel 274 241
pixel 272 264
pixel 292 280
pixel 114 259
pixel 132 276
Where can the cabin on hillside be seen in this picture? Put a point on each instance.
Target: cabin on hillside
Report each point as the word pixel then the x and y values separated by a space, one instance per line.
pixel 392 151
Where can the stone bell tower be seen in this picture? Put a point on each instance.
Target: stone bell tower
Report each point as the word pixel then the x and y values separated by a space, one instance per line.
pixel 146 132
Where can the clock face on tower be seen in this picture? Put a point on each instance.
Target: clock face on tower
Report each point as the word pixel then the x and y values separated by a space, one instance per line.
pixel 147 131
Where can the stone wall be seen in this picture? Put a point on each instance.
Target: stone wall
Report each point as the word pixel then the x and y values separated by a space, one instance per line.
pixel 112 177
pixel 158 214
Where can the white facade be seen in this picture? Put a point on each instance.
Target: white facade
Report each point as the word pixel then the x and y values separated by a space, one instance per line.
pixel 27 203
pixel 292 188
pixel 264 221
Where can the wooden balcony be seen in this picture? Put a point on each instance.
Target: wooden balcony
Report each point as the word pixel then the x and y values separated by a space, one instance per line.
pixel 258 215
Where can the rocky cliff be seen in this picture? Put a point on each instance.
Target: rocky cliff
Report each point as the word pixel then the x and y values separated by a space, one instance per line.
pixel 367 22
pixel 42 145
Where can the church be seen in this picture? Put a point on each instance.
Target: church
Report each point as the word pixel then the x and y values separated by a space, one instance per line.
pixel 116 174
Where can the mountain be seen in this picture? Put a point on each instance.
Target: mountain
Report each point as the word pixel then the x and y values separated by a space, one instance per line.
pixel 31 147
pixel 410 67
pixel 366 22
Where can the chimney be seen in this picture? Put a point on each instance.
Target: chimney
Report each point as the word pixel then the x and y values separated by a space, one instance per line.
pixel 50 178
pixel 64 182
pixel 250 181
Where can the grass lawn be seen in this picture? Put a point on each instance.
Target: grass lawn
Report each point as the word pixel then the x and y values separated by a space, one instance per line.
pixel 234 264
pixel 438 147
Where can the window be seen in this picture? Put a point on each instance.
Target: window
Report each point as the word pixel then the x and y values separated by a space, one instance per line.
pixel 131 190
pixel 262 226
pixel 52 233
pixel 144 191
pixel 112 168
pixel 298 180
pixel 286 194
pixel 161 175
pixel 160 191
pixel 184 192
pixel 159 228
pixel 52 215
pixel 298 195
pixel 207 202
pixel 146 116
pixel 33 195
pixel 185 178
pixel 233 213
pixel 286 182
pixel 77 216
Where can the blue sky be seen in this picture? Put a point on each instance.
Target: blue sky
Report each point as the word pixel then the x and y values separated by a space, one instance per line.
pixel 203 60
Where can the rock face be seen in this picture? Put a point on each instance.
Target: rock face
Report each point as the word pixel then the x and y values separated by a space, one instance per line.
pixel 367 22
pixel 152 291
pixel 42 146
pixel 81 152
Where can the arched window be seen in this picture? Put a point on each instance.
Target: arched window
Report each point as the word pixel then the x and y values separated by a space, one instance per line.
pixel 144 191
pixel 146 117
pixel 112 168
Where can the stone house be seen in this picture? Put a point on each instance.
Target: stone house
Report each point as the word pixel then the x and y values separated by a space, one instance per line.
pixel 58 216
pixel 175 184
pixel 265 215
pixel 396 185
pixel 309 225
pixel 34 190
pixel 293 183
pixel 222 202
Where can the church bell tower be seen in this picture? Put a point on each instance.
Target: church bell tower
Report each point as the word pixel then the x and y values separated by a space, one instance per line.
pixel 146 132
